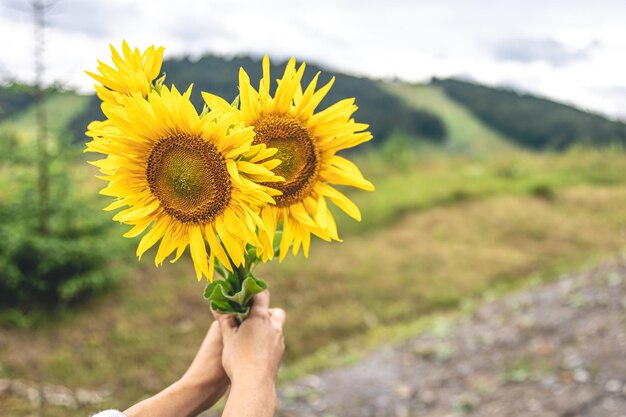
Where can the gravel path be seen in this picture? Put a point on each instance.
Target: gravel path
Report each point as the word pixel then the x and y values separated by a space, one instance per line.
pixel 558 350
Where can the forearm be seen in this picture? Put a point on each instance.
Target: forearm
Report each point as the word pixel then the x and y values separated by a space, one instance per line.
pixel 184 398
pixel 251 399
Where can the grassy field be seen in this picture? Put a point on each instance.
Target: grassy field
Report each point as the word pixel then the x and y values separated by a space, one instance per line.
pixel 438 233
pixel 408 182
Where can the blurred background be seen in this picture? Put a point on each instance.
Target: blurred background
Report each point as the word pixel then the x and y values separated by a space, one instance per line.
pixel 486 277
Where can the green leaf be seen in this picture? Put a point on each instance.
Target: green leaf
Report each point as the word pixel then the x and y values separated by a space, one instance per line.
pixel 237 298
pixel 234 293
pixel 218 293
pixel 222 307
pixel 208 290
pixel 235 102
pixel 251 287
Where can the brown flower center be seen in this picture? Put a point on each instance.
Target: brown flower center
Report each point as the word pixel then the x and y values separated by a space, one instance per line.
pixel 189 177
pixel 296 150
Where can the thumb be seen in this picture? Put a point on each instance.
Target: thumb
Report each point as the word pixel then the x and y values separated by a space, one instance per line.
pixel 227 322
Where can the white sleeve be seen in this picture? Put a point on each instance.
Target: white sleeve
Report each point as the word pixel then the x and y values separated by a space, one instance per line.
pixel 110 413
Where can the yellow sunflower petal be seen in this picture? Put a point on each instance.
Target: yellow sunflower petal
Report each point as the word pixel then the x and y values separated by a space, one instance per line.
pixel 179 178
pixel 305 143
pixel 198 252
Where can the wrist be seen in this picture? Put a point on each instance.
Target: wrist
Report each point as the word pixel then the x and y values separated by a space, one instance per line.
pixel 253 379
pixel 204 381
pixel 201 392
pixel 181 399
pixel 255 388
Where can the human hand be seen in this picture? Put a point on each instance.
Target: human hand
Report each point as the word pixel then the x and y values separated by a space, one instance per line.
pixel 199 388
pixel 253 350
pixel 206 368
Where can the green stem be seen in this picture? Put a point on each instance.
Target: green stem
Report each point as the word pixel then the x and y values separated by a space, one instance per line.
pixel 234 294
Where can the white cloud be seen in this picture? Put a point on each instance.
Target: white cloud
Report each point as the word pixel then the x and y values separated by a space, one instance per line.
pixel 407 39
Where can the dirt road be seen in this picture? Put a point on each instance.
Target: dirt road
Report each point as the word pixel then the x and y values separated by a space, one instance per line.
pixel 558 350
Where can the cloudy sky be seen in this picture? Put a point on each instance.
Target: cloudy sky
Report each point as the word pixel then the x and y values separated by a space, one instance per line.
pixel 569 50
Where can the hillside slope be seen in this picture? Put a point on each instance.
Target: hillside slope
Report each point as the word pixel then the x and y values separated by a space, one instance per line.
pixel 532 121
pixel 15 99
pixel 462 116
pixel 466 133
pixel 61 108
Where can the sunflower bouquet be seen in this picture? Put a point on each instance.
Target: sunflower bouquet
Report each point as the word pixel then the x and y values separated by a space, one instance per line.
pixel 238 183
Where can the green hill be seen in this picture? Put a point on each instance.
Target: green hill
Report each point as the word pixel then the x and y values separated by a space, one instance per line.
pixel 531 121
pixel 451 114
pixel 384 112
pixel 466 133
pixel 61 108
pixel 14 99
pixel 20 125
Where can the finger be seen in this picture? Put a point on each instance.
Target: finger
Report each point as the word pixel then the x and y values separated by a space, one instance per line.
pixel 261 303
pixel 227 322
pixel 278 317
pixel 214 330
pixel 213 335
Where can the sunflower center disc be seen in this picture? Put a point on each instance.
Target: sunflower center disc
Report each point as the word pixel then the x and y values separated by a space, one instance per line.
pixel 189 177
pixel 297 152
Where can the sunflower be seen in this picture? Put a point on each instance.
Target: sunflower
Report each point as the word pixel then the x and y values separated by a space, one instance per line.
pixel 307 143
pixel 134 72
pixel 191 180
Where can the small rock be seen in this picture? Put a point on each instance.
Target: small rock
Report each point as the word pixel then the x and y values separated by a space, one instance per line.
pixel 5 386
pixel 27 391
pixel 88 397
pixel 318 404
pixel 487 338
pixel 609 404
pixel 527 321
pixel 313 381
pixel 549 382
pixel 614 279
pixel 428 397
pixel 581 376
pixel 572 360
pixel 545 349
pixel 613 386
pixel 401 410
pixel 404 391
pixel 566 377
pixel 59 395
